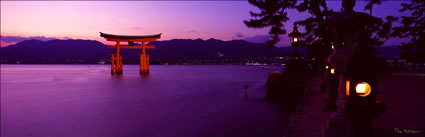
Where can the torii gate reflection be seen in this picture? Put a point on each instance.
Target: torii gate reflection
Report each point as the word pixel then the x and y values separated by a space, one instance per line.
pixel 116 59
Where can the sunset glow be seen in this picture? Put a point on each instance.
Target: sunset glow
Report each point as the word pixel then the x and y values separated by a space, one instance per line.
pixel 226 68
pixel 175 19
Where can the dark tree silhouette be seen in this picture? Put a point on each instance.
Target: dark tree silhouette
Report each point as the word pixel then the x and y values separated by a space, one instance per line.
pixel 370 3
pixel 273 14
pixel 413 27
pixel 317 36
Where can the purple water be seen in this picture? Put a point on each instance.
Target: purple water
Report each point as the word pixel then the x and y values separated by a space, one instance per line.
pixel 173 101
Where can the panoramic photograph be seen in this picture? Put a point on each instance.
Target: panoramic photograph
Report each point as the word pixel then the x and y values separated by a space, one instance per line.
pixel 255 68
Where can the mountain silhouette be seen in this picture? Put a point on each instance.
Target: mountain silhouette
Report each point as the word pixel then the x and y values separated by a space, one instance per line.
pixel 90 51
pixel 177 51
pixel 392 52
pixel 54 51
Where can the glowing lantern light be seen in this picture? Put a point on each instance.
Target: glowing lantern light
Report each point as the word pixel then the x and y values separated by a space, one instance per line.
pixel 347 88
pixel 332 71
pixel 296 42
pixel 295 34
pixel 363 89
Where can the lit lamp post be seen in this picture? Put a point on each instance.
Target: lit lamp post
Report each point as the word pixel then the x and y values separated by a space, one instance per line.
pixel 356 72
pixel 295 36
pixel 361 104
pixel 331 83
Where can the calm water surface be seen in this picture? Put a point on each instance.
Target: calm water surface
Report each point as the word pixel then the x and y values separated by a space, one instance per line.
pixel 173 101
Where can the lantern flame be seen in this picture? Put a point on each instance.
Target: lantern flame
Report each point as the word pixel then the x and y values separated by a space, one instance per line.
pixel 363 89
pixel 347 88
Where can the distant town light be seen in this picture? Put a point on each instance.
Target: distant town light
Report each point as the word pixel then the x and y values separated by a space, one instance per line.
pixel 332 71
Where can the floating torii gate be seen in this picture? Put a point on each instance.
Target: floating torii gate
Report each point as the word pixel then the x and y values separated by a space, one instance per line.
pixel 116 59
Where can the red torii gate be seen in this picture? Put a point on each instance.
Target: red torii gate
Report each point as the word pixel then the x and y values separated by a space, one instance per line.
pixel 116 60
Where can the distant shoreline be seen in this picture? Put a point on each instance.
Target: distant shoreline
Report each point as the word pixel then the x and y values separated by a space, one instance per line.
pixel 150 64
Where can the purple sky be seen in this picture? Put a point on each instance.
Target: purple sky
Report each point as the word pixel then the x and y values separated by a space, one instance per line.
pixel 175 19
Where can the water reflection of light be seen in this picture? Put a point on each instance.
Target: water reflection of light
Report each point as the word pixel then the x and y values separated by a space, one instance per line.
pixel 145 77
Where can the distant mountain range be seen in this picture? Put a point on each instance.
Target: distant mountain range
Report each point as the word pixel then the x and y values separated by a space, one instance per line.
pixel 90 51
pixel 168 51
pixel 389 52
